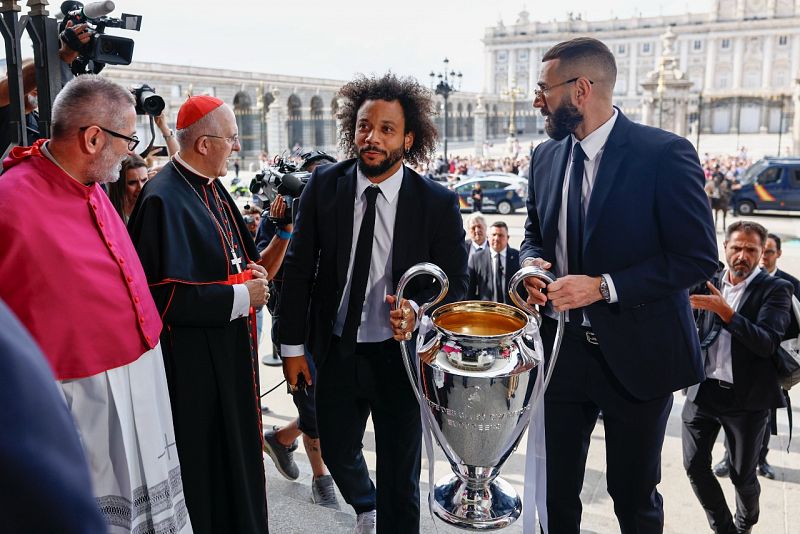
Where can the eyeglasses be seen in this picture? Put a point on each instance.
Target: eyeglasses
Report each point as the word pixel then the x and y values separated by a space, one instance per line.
pixel 542 91
pixel 133 141
pixel 234 139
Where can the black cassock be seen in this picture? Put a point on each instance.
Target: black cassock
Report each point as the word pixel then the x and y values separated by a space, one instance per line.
pixel 210 360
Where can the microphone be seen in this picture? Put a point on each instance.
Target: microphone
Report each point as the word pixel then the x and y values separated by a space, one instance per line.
pixel 98 9
pixel 92 10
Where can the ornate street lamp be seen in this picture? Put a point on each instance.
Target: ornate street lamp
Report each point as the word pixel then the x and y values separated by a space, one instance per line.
pixel 445 88
pixel 513 93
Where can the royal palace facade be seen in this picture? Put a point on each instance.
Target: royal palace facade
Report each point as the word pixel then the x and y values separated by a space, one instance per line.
pixel 742 61
pixel 734 70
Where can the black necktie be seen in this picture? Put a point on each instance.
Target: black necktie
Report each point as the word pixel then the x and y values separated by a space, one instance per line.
pixel 358 280
pixel 498 278
pixel 575 222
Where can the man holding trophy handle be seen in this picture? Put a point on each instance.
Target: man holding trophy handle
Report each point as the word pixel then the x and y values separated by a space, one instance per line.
pixel 360 225
pixel 617 211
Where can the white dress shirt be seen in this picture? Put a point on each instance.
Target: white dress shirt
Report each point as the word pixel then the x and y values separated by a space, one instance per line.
pixel 375 324
pixel 719 363
pixel 241 296
pixel 502 253
pixel 593 146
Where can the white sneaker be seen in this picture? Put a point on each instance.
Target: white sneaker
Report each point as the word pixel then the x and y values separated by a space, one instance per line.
pixel 365 523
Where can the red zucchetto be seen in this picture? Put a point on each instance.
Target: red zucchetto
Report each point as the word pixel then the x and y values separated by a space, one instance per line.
pixel 195 108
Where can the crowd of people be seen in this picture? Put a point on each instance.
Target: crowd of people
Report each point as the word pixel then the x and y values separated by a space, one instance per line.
pixel 148 310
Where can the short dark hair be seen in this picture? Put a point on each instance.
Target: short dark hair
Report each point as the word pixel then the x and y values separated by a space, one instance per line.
pixel 776 239
pixel 747 227
pixel 418 110
pixel 500 224
pixel 584 49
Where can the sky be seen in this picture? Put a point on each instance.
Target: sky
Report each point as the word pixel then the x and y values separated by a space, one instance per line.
pixel 339 39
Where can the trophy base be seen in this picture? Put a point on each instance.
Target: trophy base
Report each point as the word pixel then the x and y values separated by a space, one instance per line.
pixel 496 505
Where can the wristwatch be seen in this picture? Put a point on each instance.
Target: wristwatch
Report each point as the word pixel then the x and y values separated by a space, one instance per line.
pixel 604 291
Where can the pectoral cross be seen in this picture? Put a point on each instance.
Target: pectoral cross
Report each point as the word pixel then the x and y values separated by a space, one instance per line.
pixel 236 261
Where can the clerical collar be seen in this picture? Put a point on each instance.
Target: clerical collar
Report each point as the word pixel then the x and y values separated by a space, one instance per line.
pixel 191 169
pixel 390 187
pixel 55 162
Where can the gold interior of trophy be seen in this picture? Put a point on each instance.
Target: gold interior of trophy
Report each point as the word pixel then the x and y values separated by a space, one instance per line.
pixel 478 318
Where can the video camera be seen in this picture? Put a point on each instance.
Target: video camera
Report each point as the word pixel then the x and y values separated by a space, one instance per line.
pixel 281 178
pixel 101 48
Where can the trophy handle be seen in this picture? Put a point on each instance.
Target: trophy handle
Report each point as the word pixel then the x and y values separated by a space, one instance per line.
pixel 423 268
pixel 547 277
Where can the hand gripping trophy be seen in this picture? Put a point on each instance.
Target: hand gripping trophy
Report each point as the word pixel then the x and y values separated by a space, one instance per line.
pixel 473 374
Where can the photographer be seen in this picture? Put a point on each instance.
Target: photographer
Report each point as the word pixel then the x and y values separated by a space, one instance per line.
pixel 280 443
pixel 67 55
pixel 168 134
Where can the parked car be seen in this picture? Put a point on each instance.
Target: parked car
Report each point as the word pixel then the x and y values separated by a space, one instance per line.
pixel 768 184
pixel 501 193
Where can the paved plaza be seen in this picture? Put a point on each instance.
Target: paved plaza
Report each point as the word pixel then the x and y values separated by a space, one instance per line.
pixel 291 511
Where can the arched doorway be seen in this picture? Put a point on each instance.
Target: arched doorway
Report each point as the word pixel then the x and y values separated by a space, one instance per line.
pixel 246 119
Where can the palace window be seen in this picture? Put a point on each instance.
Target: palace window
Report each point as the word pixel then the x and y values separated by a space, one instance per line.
pixel 726 44
pixel 646 48
pixel 783 40
pixel 621 49
pixel 697 44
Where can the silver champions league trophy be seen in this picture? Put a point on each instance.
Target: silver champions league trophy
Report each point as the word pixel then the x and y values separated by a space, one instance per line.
pixel 472 373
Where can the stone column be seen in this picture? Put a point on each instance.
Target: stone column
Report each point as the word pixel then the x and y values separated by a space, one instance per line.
pixel 795 51
pixel 276 125
pixel 681 104
pixel 647 110
pixel 686 45
pixel 633 81
pixel 479 127
pixel 764 127
pixel 771 5
pixel 489 75
pixel 796 121
pixel 534 65
pixel 711 59
pixel 766 67
pixel 736 111
pixel 738 60
pixel 512 68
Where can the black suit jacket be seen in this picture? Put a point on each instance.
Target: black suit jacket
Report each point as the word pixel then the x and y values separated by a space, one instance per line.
pixel 756 331
pixel 481 277
pixel 428 228
pixel 794 329
pixel 649 226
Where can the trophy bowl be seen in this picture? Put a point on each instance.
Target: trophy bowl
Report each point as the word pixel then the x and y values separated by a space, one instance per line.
pixel 474 375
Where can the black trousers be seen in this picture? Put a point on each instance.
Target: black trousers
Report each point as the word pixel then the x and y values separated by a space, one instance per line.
pixel 583 384
pixel 349 387
pixel 714 408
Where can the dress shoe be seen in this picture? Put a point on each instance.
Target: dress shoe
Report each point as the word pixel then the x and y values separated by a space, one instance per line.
pixel 766 471
pixel 722 469
pixel 365 523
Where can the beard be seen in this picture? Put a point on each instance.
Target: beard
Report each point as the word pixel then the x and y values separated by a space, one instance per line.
pixel 106 168
pixel 390 158
pixel 563 121
pixel 741 269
